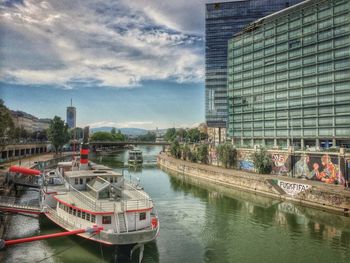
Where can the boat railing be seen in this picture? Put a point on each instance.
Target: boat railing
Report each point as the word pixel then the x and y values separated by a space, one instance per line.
pixel 56 218
pixel 84 198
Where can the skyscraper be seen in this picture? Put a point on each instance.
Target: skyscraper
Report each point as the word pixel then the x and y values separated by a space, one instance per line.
pixel 222 21
pixel 71 116
pixel 289 78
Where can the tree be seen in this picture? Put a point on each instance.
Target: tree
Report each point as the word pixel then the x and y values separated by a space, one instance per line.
pixel 113 131
pixel 202 153
pixel 149 137
pixel 6 122
pixel 175 149
pixel 102 136
pixel 181 134
pixel 170 135
pixel 58 133
pixel 262 161
pixel 227 154
pixel 193 135
pixel 186 152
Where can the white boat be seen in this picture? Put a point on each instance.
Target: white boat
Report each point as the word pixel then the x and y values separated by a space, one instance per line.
pixel 135 157
pixel 99 196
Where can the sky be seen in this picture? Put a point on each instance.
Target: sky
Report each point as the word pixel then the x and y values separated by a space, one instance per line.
pixel 123 63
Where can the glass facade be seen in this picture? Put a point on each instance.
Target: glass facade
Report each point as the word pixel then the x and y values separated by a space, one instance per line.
pixel 222 21
pixel 289 77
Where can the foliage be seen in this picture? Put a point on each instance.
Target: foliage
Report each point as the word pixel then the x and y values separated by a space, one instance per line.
pixel 113 131
pixel 170 135
pixel 193 135
pixel 262 161
pixel 107 136
pixel 175 149
pixel 186 152
pixel 202 153
pixel 149 137
pixel 227 154
pixel 6 122
pixel 58 133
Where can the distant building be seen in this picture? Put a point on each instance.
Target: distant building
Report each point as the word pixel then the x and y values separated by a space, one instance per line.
pixel 289 78
pixel 29 122
pixel 222 21
pixel 71 116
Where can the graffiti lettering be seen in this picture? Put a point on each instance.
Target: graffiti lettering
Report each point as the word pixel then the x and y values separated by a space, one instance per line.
pixel 292 188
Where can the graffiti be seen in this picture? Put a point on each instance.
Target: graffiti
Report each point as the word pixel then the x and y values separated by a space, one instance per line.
pixel 292 188
pixel 245 161
pixel 246 165
pixel 319 168
pixel 280 164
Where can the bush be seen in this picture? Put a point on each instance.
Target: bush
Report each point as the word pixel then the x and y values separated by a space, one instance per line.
pixel 262 161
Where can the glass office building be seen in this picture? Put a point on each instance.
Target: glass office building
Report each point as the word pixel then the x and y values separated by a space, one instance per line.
pixel 222 21
pixel 289 77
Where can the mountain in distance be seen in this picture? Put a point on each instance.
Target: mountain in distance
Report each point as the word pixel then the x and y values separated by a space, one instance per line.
pixel 127 131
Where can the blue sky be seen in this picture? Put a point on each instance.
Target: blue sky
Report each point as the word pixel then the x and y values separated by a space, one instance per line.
pixel 124 63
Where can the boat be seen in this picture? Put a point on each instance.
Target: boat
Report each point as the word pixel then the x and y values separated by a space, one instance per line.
pixel 135 158
pixel 81 194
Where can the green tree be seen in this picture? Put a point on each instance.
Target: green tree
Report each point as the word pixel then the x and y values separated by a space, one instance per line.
pixel 102 136
pixel 202 153
pixel 262 161
pixel 149 137
pixel 175 150
pixel 118 136
pixel 193 135
pixel 6 123
pixel 113 131
pixel 170 135
pixel 227 154
pixel 58 133
pixel 181 134
pixel 186 152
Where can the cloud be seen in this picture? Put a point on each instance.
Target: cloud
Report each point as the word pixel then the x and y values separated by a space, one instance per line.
pixel 98 43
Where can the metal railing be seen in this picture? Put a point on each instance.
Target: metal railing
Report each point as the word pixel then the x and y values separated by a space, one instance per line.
pixel 59 220
pixel 13 202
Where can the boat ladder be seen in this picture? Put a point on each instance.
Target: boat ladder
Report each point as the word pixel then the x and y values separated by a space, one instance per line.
pixel 13 204
pixel 122 223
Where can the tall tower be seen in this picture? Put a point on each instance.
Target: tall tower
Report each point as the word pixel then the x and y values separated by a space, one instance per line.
pixel 222 21
pixel 71 115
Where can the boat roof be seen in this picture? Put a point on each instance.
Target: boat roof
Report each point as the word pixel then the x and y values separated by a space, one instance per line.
pixel 95 166
pixel 65 164
pixel 91 173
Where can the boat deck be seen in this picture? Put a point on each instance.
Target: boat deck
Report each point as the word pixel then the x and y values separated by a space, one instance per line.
pixel 131 200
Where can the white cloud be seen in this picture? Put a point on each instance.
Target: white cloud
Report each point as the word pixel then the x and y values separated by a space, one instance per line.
pixel 103 43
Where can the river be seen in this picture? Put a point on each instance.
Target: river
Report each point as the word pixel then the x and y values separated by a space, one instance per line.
pixel 199 223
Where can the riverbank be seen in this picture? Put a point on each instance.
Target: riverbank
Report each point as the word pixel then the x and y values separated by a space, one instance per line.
pixel 332 198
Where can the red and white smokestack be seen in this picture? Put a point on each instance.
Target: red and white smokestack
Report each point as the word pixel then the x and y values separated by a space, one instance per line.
pixel 84 156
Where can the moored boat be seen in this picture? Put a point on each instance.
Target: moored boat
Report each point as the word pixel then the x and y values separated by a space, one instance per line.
pixel 135 158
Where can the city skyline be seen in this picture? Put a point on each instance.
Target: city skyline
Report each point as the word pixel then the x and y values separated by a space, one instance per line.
pixel 131 54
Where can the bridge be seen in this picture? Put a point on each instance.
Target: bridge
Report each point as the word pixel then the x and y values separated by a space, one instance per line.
pixel 124 143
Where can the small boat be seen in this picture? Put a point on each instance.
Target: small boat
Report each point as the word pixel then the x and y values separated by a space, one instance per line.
pixel 135 158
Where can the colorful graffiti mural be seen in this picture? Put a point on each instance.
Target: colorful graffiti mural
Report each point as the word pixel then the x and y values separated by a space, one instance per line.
pixel 245 161
pixel 322 168
pixel 280 164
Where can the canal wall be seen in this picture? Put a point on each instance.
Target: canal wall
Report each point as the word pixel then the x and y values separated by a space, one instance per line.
pixel 315 194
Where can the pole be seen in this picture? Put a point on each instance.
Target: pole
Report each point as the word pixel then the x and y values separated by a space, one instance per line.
pixel 94 229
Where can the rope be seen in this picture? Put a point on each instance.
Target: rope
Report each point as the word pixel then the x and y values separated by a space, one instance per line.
pixel 63 250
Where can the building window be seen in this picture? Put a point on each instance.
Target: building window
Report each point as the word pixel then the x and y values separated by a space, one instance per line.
pixel 142 216
pixel 106 220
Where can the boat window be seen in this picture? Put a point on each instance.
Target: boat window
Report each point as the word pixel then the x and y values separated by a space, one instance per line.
pixel 81 181
pixel 93 218
pixel 74 212
pixel 70 210
pixel 76 181
pixel 106 220
pixel 79 213
pixel 87 217
pixel 88 179
pixel 83 215
pixel 143 216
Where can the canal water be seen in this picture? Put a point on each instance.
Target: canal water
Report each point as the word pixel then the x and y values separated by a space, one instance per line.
pixel 199 223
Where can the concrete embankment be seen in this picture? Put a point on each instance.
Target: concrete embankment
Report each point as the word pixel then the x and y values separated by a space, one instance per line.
pixel 333 198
